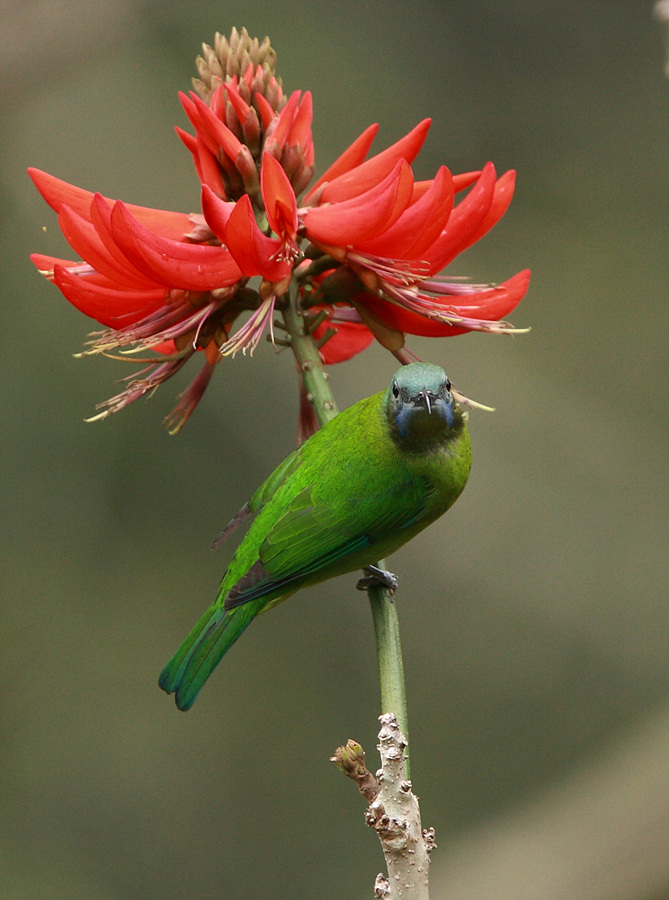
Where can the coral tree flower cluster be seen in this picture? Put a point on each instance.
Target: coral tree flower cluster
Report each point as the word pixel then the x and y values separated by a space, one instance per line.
pixel 364 245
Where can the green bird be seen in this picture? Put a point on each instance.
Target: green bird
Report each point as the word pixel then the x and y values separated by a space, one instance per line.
pixel 354 492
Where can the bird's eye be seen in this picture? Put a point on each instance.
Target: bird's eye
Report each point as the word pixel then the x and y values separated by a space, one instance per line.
pixel 448 385
pixel 396 390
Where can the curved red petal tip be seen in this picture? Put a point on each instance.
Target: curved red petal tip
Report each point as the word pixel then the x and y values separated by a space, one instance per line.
pixel 266 111
pixel 204 161
pixel 300 131
pixel 189 140
pixel 237 102
pixel 502 197
pixel 216 212
pixel 217 99
pixel 346 223
pixel 464 180
pixel 419 225
pixel 490 305
pixel 209 128
pixel 207 166
pixel 45 264
pixel 464 222
pixel 105 303
pixel 285 120
pixel 278 197
pixel 58 193
pixel 90 245
pixel 177 264
pixel 352 157
pixel 254 252
pixel 497 302
pixel 250 73
pixel 369 173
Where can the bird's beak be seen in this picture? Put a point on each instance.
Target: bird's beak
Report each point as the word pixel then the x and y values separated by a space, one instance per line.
pixel 425 394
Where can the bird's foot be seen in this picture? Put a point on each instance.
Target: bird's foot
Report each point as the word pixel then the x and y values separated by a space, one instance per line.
pixel 376 577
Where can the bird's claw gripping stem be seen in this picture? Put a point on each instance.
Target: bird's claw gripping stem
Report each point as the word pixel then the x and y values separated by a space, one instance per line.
pixel 381 577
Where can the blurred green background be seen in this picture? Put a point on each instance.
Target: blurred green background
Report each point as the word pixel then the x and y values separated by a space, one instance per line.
pixel 535 616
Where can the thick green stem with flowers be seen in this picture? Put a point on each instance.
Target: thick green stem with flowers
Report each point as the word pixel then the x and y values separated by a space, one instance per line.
pixel 384 610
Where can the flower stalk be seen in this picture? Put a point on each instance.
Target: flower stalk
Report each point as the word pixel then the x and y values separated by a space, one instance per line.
pixel 300 330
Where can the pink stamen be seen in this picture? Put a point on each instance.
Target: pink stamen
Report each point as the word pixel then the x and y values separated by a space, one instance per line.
pixel 248 336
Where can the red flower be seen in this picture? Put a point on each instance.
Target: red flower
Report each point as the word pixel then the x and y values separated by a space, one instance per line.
pixel 396 246
pixel 365 245
pixel 151 287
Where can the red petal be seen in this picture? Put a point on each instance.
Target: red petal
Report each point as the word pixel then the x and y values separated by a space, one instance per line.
pixel 87 243
pixel 464 222
pixel 217 102
pixel 45 264
pixel 278 197
pixel 309 152
pixel 101 213
pixel 300 131
pixel 237 102
pixel 208 168
pixel 352 157
pixel 266 111
pixel 204 161
pixel 253 251
pixel 285 121
pixel 56 193
pixel 370 173
pixel 177 264
pixel 109 305
pixel 351 338
pixel 460 182
pixel 500 203
pixel 212 131
pixel 497 302
pixel 419 225
pixel 344 224
pixel 216 211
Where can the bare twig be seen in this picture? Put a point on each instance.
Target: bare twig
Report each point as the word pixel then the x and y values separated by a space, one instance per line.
pixel 393 813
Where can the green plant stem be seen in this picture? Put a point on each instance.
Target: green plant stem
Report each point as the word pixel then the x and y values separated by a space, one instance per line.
pixel 384 609
pixel 309 362
pixel 389 655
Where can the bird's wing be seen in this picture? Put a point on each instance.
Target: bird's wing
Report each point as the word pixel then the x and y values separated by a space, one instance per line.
pixel 264 493
pixel 312 535
pixel 271 484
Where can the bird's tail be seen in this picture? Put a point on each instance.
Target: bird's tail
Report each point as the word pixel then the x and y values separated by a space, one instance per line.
pixel 203 649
